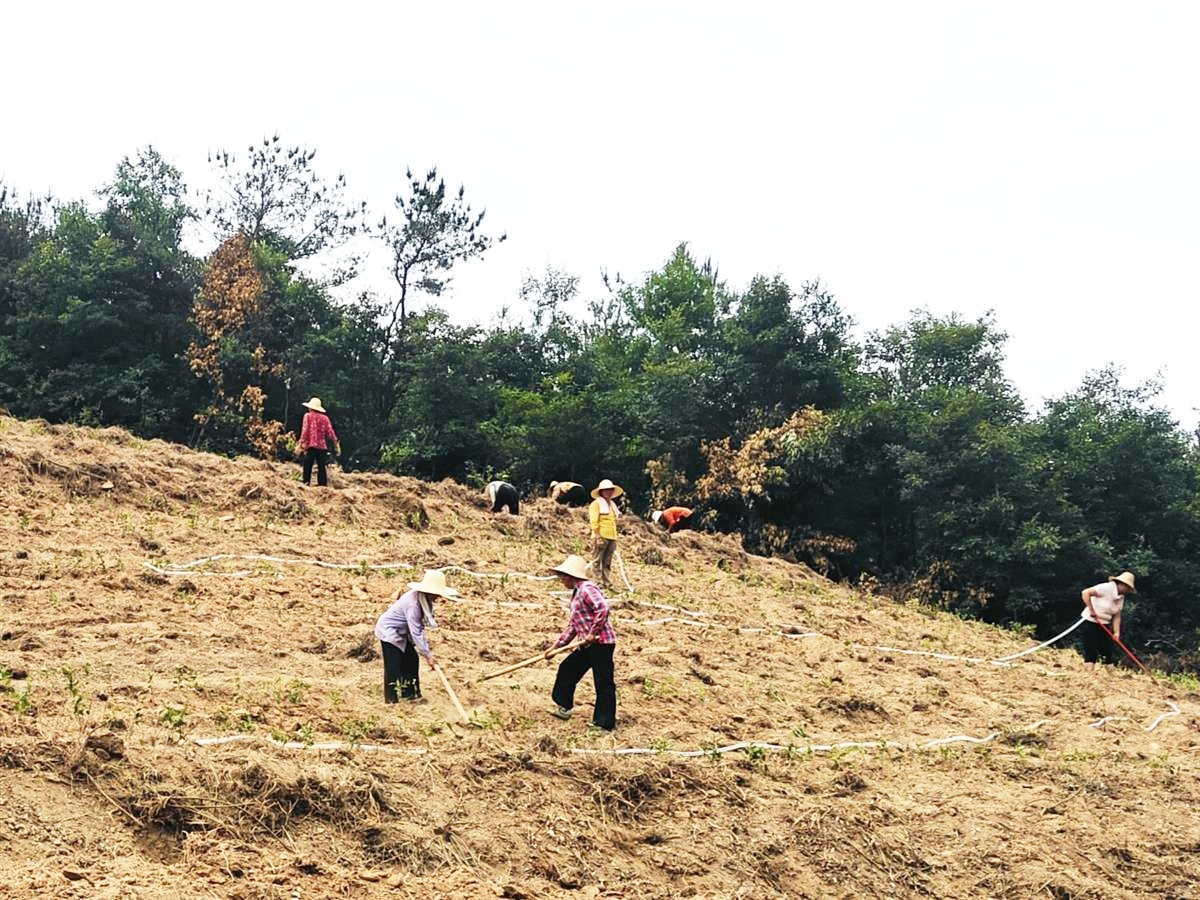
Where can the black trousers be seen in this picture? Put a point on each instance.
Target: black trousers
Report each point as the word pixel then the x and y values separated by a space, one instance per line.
pixel 1097 644
pixel 576 496
pixel 400 669
pixel 598 658
pixel 506 495
pixel 313 455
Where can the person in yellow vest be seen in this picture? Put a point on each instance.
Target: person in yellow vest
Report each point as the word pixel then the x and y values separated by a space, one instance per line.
pixel 602 515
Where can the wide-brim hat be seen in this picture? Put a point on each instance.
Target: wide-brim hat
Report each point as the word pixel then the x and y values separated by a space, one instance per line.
pixel 1125 578
pixel 314 403
pixel 434 582
pixel 575 566
pixel 605 485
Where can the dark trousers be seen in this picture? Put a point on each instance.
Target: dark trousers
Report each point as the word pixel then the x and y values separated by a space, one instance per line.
pixel 1097 644
pixel 598 658
pixel 506 495
pixel 400 668
pixel 313 455
pixel 602 563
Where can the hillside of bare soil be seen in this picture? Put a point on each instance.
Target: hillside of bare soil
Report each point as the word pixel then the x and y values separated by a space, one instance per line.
pixel 181 717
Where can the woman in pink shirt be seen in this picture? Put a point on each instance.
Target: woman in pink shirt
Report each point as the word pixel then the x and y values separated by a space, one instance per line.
pixel 1102 604
pixel 317 438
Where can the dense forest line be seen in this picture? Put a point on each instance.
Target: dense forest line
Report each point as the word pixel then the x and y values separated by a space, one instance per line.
pixel 906 459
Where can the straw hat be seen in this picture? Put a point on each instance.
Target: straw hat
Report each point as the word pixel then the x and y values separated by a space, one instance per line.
pixel 605 485
pixel 1125 578
pixel 434 582
pixel 314 403
pixel 575 566
pixel 656 515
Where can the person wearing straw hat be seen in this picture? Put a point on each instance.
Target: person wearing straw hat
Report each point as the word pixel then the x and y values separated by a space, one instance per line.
pixel 589 624
pixel 316 437
pixel 1102 603
pixel 602 515
pixel 401 631
pixel 568 493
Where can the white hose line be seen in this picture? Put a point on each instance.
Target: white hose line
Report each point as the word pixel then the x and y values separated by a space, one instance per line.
pixel 695 613
pixel 621 569
pixel 300 745
pixel 1100 723
pixel 881 744
pixel 511 575
pixel 947 656
pixel 189 568
pixel 781 632
pixel 1057 637
pixel 1174 712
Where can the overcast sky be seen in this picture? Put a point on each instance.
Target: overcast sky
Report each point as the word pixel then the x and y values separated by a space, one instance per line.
pixel 1040 159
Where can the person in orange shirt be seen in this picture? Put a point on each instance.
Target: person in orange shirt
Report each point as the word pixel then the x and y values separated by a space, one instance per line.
pixel 672 517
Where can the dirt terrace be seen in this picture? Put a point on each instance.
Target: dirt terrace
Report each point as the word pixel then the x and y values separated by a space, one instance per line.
pixel 307 785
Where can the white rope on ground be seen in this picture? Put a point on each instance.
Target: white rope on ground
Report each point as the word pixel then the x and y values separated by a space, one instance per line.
pixel 966 739
pixel 881 744
pixel 783 632
pixel 190 568
pixel 512 575
pixel 1174 712
pixel 949 656
pixel 300 745
pixel 696 613
pixel 1057 637
pixel 621 569
pixel 666 620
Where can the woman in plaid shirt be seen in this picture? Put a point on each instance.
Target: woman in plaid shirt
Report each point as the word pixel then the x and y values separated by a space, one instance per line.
pixel 589 623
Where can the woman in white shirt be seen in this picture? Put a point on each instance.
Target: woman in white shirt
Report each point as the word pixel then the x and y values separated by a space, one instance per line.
pixel 1103 603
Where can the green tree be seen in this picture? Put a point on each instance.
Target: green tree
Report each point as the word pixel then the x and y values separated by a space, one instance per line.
pixel 435 232
pixel 98 329
pixel 275 195
pixel 254 311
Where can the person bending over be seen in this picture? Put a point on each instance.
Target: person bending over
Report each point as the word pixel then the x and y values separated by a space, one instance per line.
pixel 401 631
pixel 1103 603
pixel 501 494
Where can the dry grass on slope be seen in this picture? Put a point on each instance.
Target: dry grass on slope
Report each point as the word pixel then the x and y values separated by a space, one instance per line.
pixel 317 789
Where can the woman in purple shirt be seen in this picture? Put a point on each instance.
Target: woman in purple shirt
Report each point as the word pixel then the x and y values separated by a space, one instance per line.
pixel 401 631
pixel 589 623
